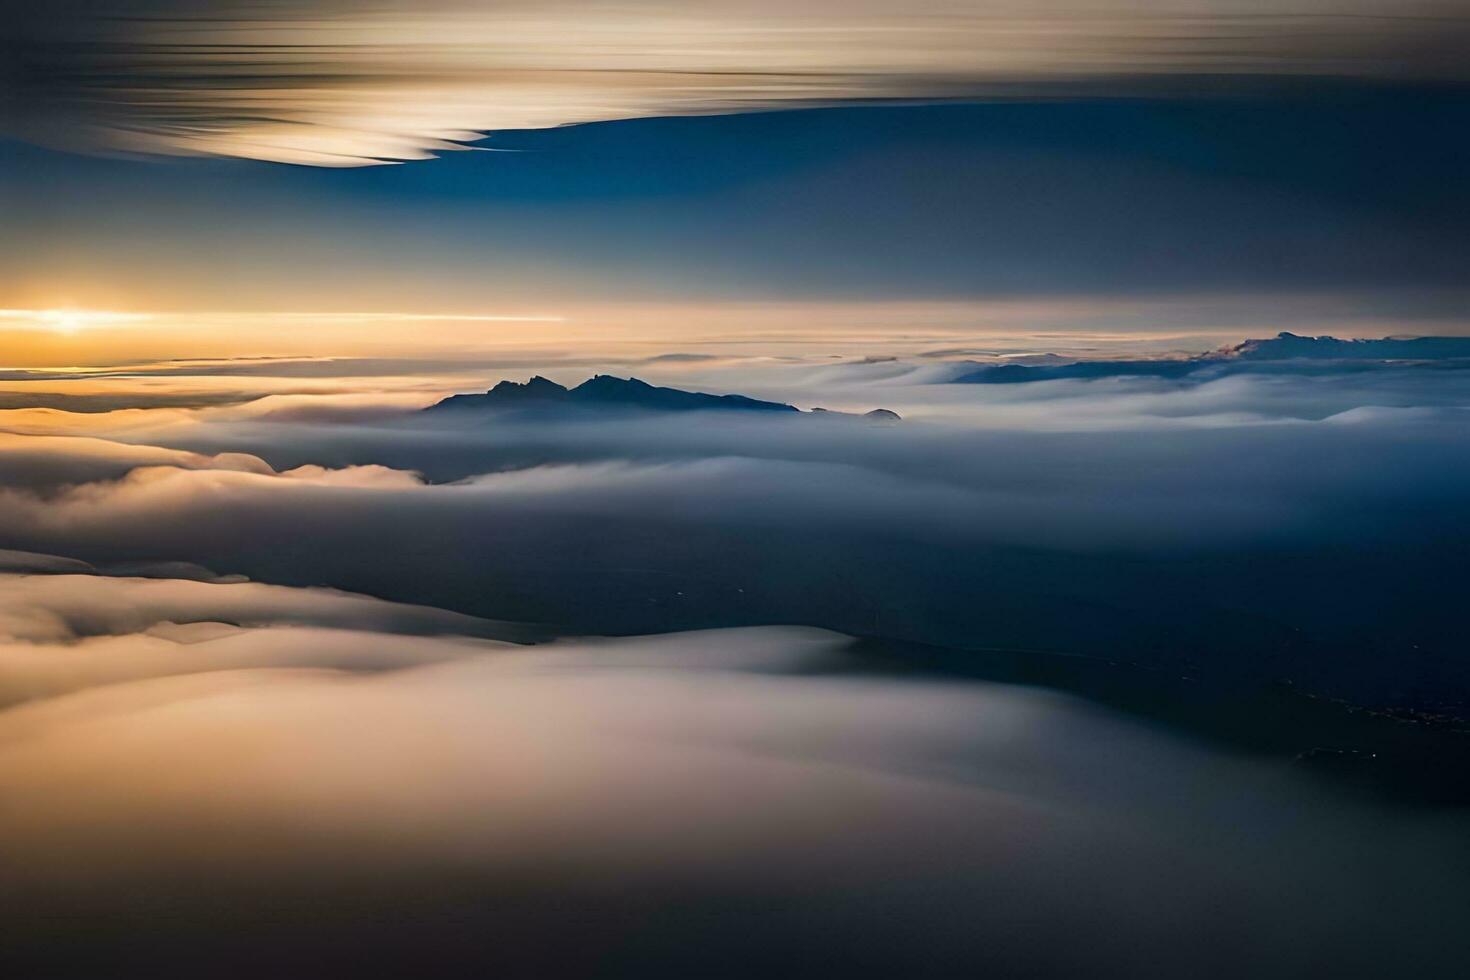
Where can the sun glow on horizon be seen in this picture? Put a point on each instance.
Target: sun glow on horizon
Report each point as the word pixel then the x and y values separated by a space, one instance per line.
pixel 69 321
pixel 65 334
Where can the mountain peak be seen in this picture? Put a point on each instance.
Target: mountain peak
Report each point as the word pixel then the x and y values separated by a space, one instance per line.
pixel 537 387
pixel 608 392
pixel 604 385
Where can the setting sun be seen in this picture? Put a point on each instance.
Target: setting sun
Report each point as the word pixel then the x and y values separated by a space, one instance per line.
pixel 68 321
pixel 63 321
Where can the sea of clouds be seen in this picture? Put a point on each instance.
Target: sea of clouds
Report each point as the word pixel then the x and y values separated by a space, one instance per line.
pixel 301 676
pixel 1276 526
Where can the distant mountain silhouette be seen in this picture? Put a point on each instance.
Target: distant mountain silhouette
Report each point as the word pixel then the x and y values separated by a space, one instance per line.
pixel 607 393
pixel 1282 354
pixel 1290 345
pixel 1002 374
pixel 538 389
pixel 604 391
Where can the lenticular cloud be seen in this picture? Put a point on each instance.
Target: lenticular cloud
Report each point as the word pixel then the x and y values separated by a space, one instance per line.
pixel 335 83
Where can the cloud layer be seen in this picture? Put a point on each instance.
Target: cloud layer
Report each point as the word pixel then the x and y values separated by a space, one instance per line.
pixel 1166 522
pixel 212 757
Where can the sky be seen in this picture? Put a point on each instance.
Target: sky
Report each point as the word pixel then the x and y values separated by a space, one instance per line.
pixel 1217 169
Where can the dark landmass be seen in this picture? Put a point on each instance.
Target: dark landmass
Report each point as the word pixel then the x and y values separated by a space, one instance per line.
pixel 1286 353
pixel 1414 758
pixel 1001 374
pixel 1289 345
pixel 603 391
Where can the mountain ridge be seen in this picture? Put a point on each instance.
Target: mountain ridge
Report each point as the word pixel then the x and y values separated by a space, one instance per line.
pixel 1286 352
pixel 604 391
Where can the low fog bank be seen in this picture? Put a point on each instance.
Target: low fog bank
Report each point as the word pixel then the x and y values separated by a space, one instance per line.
pixel 1323 554
pixel 188 796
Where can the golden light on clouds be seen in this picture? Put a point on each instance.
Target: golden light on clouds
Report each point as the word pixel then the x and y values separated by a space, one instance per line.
pixel 63 336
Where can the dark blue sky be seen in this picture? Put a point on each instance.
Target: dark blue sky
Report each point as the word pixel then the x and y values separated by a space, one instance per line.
pixel 1354 188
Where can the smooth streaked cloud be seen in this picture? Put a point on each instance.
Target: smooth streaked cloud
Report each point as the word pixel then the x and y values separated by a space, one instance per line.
pixel 341 83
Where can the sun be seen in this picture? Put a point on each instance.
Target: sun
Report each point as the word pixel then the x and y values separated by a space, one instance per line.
pixel 63 321
pixel 68 320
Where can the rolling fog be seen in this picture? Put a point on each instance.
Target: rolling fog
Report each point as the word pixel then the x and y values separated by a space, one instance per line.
pixel 325 762
pixel 301 679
